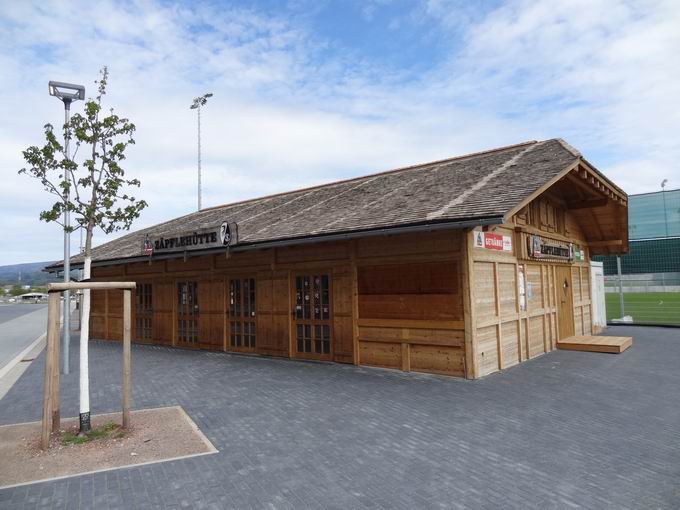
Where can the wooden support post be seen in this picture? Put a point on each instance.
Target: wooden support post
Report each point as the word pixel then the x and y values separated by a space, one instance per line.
pixel 469 307
pixel 127 312
pixel 48 379
pixel 55 400
pixel 355 304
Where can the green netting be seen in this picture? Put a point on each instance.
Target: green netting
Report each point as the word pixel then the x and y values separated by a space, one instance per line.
pixel 650 256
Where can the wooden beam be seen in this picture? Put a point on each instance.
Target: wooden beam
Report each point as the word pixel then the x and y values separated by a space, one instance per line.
pixel 469 307
pixel 588 204
pixel 52 338
pixel 127 313
pixel 90 285
pixel 610 242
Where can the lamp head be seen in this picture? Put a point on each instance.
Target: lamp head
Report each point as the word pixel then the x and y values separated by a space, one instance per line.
pixel 66 91
pixel 663 183
pixel 200 101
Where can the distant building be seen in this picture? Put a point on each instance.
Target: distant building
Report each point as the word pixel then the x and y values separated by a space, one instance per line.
pixel 34 297
pixel 654 233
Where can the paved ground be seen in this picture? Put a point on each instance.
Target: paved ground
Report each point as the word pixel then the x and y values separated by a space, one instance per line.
pixel 566 430
pixel 20 325
pixel 12 311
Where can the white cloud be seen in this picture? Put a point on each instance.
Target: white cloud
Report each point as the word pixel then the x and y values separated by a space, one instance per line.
pixel 292 109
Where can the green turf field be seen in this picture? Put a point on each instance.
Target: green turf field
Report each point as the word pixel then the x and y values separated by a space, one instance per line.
pixel 646 308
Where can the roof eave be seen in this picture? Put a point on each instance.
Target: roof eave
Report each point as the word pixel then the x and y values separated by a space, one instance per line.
pixel 296 241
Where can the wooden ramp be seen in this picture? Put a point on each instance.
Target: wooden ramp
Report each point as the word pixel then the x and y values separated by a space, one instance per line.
pixel 613 344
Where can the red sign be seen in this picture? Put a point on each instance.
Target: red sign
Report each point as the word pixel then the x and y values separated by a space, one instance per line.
pixel 493 241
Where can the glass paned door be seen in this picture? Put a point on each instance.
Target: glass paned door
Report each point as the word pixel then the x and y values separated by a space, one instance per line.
pixel 242 336
pixel 144 313
pixel 312 316
pixel 187 313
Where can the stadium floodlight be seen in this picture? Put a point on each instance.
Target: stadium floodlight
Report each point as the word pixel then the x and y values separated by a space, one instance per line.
pixel 196 105
pixel 67 93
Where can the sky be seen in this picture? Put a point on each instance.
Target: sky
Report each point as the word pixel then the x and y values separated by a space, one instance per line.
pixel 312 91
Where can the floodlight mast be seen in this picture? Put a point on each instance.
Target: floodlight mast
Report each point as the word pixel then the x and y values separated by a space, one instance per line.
pixel 67 93
pixel 196 105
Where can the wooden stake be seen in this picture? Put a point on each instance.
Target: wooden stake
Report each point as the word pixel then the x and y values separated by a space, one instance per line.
pixel 48 379
pixel 127 312
pixel 56 415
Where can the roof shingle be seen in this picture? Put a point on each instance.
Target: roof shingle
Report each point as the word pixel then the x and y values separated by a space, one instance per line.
pixel 476 186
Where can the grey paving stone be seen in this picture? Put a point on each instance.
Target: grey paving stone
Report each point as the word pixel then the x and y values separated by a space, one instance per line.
pixel 565 430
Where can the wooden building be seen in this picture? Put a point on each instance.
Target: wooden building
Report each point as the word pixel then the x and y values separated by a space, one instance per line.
pixel 462 267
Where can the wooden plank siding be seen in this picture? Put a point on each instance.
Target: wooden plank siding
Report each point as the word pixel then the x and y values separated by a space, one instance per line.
pixel 502 334
pixel 396 300
pixel 428 302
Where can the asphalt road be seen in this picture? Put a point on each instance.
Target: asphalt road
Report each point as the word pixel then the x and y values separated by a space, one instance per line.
pixel 9 312
pixel 20 324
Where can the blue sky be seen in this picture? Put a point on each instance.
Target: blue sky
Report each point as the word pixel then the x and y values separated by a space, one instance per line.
pixel 309 92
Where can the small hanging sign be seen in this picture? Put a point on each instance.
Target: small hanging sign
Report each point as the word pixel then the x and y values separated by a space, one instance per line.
pixel 147 247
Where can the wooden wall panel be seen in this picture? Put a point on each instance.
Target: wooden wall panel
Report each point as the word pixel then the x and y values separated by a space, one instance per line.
pixel 587 321
pixel 380 354
pixel 310 253
pixel 410 244
pixel 211 314
pixel 510 344
pixel 343 340
pixel 534 287
pixel 578 321
pixel 115 315
pixel 507 287
pixel 424 291
pixel 576 283
pixel 436 359
pixel 487 345
pixel 484 290
pixel 410 306
pixel 273 314
pixel 193 264
pixel 413 287
pixel 163 323
pixel 98 314
pixel 536 336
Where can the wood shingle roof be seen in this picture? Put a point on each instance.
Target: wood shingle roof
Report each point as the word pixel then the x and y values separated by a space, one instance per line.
pixel 478 186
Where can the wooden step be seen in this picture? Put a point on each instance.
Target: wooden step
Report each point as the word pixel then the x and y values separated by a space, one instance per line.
pixel 612 344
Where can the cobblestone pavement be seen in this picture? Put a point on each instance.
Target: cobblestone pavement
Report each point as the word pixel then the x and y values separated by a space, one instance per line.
pixel 565 430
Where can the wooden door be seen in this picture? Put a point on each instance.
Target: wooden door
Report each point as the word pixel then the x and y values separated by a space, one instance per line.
pixel 312 319
pixel 143 313
pixel 187 314
pixel 273 313
pixel 565 301
pixel 211 318
pixel 242 315
pixel 163 325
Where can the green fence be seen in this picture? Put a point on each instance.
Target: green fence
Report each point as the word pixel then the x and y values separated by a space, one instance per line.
pixel 649 283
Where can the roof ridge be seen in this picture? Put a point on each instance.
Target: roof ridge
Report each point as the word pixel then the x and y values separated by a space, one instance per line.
pixel 376 174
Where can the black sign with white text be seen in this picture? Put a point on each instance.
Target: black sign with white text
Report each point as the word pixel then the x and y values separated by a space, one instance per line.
pixel 223 236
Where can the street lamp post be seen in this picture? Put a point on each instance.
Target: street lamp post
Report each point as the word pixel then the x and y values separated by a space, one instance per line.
pixel 663 194
pixel 67 93
pixel 196 105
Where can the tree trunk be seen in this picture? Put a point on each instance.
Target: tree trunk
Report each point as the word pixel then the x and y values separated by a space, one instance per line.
pixel 84 341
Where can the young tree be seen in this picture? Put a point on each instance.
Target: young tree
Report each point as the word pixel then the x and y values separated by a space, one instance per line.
pixel 98 192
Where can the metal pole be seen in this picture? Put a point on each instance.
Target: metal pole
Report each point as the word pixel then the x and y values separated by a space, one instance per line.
pixel 199 157
pixel 67 257
pixel 618 269
pixel 665 214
